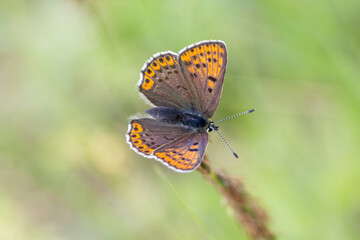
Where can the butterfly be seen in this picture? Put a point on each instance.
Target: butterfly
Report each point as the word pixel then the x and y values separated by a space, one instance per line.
pixel 185 89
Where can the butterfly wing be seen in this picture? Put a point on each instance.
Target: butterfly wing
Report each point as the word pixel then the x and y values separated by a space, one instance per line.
pixel 163 84
pixel 177 147
pixel 146 134
pixel 185 153
pixel 203 65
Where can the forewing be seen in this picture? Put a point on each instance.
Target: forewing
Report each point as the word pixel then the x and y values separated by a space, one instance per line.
pixel 185 153
pixel 203 65
pixel 163 84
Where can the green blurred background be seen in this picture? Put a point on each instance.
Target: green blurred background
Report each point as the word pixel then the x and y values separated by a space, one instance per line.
pixel 68 71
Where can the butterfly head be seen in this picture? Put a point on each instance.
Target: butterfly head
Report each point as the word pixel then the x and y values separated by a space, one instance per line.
pixel 211 127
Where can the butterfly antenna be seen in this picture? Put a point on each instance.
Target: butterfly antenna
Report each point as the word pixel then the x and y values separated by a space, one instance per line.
pixel 250 111
pixel 225 142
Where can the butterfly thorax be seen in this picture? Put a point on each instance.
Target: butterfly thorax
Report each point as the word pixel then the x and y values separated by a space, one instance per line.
pixel 192 120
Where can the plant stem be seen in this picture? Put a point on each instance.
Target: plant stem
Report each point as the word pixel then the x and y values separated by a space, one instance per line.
pixel 249 214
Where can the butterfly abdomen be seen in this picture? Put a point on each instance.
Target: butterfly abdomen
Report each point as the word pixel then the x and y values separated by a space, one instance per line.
pixel 175 116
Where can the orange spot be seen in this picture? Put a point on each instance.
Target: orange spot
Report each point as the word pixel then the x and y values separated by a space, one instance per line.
pixel 221 50
pixel 149 72
pixel 160 155
pixel 172 162
pixel 208 55
pixel 211 84
pixel 191 69
pixel 221 61
pixel 196 61
pixel 155 65
pixel 200 49
pixel 207 48
pixel 138 142
pixel 180 166
pixel 142 147
pixel 163 156
pixel 185 57
pixel 136 128
pixel 190 166
pixel 210 69
pixel 187 155
pixel 171 61
pixel 134 135
pixel 148 151
pixel 148 83
pixel 193 52
pixel 162 61
pixel 203 59
pixel 215 48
